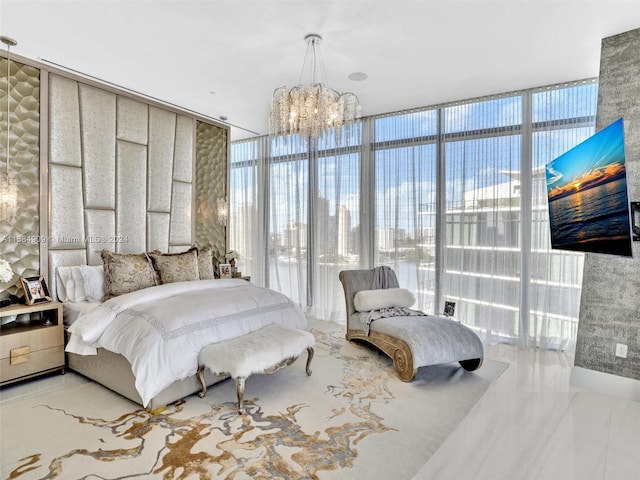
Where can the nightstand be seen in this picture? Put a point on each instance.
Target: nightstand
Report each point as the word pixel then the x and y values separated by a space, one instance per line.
pixel 32 347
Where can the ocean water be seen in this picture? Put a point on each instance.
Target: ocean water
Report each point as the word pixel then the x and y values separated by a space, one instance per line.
pixel 600 214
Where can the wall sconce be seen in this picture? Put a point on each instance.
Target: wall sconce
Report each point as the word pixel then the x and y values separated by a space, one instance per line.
pixel 223 211
pixel 635 221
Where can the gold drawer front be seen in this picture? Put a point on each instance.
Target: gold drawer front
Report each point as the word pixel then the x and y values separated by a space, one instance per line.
pixel 36 339
pixel 19 355
pixel 37 362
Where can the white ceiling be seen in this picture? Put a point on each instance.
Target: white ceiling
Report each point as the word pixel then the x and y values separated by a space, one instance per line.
pixel 415 53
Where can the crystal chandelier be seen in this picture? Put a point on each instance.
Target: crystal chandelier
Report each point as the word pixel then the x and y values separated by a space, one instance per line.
pixel 8 188
pixel 314 109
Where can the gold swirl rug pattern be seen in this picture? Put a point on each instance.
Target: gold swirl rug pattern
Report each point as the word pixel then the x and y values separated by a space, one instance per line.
pixel 351 419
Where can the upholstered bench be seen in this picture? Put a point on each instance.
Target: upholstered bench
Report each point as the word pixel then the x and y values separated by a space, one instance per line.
pixel 264 351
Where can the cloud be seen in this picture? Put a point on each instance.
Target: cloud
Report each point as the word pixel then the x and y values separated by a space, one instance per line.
pixel 552 175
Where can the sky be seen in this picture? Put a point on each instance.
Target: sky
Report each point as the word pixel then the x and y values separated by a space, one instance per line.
pixel 597 160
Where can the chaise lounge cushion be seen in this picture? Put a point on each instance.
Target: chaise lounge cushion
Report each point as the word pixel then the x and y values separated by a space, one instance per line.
pixel 432 340
pixel 367 300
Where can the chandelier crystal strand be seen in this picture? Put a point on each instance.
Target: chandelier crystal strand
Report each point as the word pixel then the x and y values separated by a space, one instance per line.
pixel 313 110
pixel 8 188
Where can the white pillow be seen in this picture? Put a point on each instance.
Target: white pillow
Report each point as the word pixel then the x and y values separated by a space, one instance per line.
pixel 93 277
pixel 63 276
pixel 70 284
pixel 367 300
pixel 76 293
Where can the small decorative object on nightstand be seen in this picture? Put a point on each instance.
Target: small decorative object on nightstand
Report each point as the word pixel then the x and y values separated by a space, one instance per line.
pixel 35 290
pixel 225 270
pixel 32 347
pixel 450 311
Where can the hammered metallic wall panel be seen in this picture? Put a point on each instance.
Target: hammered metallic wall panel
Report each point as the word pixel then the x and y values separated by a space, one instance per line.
pixel 20 239
pixel 122 174
pixel 211 185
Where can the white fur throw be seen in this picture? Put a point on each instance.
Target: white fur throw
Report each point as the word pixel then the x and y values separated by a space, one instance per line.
pixel 367 300
pixel 255 352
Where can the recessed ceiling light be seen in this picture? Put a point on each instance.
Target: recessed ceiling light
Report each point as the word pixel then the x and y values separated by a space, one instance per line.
pixel 212 92
pixel 358 76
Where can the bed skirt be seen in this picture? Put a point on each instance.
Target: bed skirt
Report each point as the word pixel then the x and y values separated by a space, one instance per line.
pixel 114 372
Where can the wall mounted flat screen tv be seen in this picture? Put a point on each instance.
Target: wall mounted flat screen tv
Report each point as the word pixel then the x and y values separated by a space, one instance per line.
pixel 587 195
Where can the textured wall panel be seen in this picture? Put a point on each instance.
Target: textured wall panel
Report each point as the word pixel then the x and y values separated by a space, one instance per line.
pixel 133 203
pixel 101 225
pixel 183 157
pixel 179 248
pixel 133 120
pixel 19 240
pixel 98 127
pixel 66 215
pixel 162 128
pixel 131 214
pixel 158 231
pixel 64 124
pixel 63 258
pixel 180 230
pixel 211 184
pixel 610 301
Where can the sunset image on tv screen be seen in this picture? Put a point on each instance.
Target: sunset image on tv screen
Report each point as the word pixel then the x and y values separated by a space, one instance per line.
pixel 587 193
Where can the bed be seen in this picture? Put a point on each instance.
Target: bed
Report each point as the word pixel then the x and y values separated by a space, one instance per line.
pixel 144 343
pixel 411 341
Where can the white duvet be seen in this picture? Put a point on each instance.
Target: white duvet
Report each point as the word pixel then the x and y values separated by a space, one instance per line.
pixel 162 329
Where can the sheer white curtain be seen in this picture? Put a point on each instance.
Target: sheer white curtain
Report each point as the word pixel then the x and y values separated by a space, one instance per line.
pixel 336 180
pixel 562 117
pixel 288 217
pixel 246 206
pixel 481 254
pixel 405 152
pixel 452 197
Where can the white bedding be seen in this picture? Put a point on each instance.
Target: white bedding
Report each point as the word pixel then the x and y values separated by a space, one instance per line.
pixel 72 311
pixel 161 330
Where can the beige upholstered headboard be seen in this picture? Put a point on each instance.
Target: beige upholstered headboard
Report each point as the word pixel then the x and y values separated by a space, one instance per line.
pixel 121 175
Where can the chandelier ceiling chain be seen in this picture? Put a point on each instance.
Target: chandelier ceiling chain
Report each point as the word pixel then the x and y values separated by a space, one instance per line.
pixel 8 188
pixel 313 109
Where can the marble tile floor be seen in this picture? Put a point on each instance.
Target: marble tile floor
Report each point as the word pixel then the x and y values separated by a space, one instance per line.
pixel 532 424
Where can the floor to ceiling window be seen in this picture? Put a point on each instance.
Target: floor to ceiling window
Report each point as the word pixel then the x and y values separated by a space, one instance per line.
pixel 452 197
pixel 481 255
pixel 405 191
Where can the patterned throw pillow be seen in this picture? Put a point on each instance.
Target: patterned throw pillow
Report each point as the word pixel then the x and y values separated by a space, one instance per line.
pixel 176 267
pixel 126 272
pixel 205 262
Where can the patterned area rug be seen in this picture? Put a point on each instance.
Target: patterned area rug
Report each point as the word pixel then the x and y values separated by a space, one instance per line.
pixel 352 418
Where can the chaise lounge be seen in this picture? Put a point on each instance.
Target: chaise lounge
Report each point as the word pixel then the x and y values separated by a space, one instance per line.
pixel 410 341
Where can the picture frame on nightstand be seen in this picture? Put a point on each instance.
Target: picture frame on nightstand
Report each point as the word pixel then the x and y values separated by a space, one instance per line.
pixel 35 290
pixel 225 270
